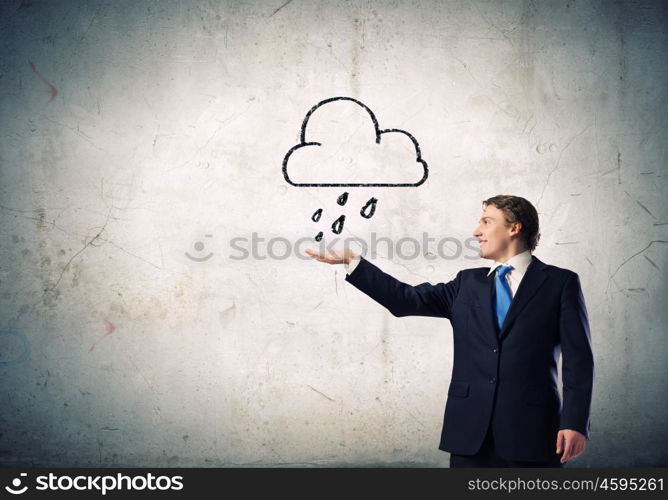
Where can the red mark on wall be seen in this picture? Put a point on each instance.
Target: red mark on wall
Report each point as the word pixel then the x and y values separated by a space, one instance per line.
pixel 109 329
pixel 53 91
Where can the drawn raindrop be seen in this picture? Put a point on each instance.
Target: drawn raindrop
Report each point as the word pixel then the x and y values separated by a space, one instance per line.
pixel 316 215
pixel 369 209
pixel 337 225
pixel 318 236
pixel 341 200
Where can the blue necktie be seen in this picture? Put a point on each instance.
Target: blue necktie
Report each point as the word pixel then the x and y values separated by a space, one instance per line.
pixel 503 295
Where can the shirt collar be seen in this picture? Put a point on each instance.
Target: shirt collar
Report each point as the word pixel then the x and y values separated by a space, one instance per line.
pixel 520 263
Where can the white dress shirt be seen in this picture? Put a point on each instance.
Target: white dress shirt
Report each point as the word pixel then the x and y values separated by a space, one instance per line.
pixel 520 263
pixel 353 264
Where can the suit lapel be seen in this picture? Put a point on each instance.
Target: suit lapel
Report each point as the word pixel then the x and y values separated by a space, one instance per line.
pixel 531 282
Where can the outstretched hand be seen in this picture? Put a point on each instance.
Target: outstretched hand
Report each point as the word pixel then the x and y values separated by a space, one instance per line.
pixel 575 444
pixel 333 256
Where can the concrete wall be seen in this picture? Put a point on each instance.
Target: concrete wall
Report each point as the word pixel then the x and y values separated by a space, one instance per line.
pixel 135 132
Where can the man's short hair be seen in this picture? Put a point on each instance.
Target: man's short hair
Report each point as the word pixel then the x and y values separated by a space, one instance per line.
pixel 518 209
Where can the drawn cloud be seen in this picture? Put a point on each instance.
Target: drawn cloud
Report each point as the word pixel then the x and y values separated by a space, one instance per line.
pixel 347 148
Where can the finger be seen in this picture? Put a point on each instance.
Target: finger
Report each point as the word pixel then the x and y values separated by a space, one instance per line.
pixel 560 437
pixel 567 451
pixel 567 447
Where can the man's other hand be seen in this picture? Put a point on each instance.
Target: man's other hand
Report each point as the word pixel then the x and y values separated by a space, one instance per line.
pixel 574 444
pixel 333 256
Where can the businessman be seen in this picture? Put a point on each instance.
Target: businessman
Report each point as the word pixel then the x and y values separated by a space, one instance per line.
pixel 511 322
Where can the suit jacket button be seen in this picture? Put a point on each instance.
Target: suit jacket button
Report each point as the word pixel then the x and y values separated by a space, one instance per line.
pixel 492 380
pixel 494 350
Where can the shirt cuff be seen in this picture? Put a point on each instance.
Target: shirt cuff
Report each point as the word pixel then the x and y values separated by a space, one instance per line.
pixel 353 264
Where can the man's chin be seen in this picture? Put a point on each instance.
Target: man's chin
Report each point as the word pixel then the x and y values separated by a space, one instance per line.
pixel 484 255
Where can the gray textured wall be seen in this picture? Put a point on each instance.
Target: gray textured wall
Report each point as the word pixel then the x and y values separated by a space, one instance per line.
pixel 131 130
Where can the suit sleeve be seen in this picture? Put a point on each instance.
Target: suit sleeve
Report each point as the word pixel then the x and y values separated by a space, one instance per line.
pixel 402 299
pixel 578 358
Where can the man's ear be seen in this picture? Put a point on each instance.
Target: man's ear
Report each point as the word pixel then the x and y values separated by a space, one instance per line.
pixel 515 228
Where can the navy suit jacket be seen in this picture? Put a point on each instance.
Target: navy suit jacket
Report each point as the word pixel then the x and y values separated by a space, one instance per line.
pixel 507 377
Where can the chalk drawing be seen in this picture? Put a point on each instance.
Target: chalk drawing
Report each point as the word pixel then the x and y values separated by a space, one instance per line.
pixel 419 173
pixel 318 171
pixel 341 200
pixel 369 208
pixel 316 215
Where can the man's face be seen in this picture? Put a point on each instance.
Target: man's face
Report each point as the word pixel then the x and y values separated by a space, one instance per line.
pixel 494 234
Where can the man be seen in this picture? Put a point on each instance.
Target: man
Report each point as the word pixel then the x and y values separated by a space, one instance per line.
pixel 510 322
